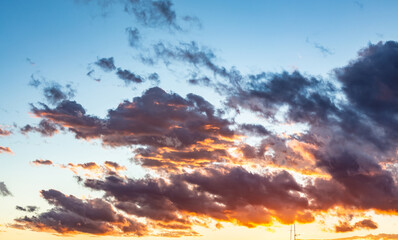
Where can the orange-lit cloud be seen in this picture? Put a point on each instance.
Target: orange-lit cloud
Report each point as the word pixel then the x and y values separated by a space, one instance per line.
pixel 381 236
pixel 5 150
pixel 4 132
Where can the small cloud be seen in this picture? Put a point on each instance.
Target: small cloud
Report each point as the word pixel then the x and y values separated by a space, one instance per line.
pixel 5 150
pixel 39 162
pixel 34 82
pixel 134 36
pixel 30 61
pixel 4 190
pixel 128 77
pixel 4 132
pixel 106 64
pixel 26 209
pixel 358 4
pixel 324 50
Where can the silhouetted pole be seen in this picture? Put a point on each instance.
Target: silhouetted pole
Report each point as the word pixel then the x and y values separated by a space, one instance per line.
pixel 294 231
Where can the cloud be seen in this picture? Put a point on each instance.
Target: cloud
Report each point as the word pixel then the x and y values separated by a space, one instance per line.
pixel 5 150
pixel 114 166
pixel 4 132
pixel 128 77
pixel 381 236
pixel 189 53
pixel 166 124
pixel 369 84
pixel 72 215
pixel 308 98
pixel 133 36
pixel 226 195
pixel 39 162
pixel 106 64
pixel 324 50
pixel 152 13
pixel 27 208
pixel 30 61
pixel 54 93
pixel 34 82
pixel 363 224
pixel 45 128
pixel 4 190
pixel 154 77
pixel 173 205
pixel 346 153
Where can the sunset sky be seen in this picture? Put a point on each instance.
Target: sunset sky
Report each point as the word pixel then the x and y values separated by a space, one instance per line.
pixel 198 119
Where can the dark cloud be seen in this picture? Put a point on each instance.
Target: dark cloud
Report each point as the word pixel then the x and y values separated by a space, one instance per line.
pixel 308 98
pixel 54 93
pixel 70 113
pixel 359 4
pixel 254 129
pixel 27 208
pixel 4 190
pixel 73 215
pixel 106 64
pixel 205 81
pixel 45 128
pixel 128 77
pixel 133 36
pixel 363 224
pixel 230 195
pixel 370 84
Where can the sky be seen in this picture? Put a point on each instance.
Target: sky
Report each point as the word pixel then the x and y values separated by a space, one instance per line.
pixel 198 119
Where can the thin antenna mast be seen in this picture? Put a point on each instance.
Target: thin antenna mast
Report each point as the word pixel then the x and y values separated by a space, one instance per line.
pixel 294 235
